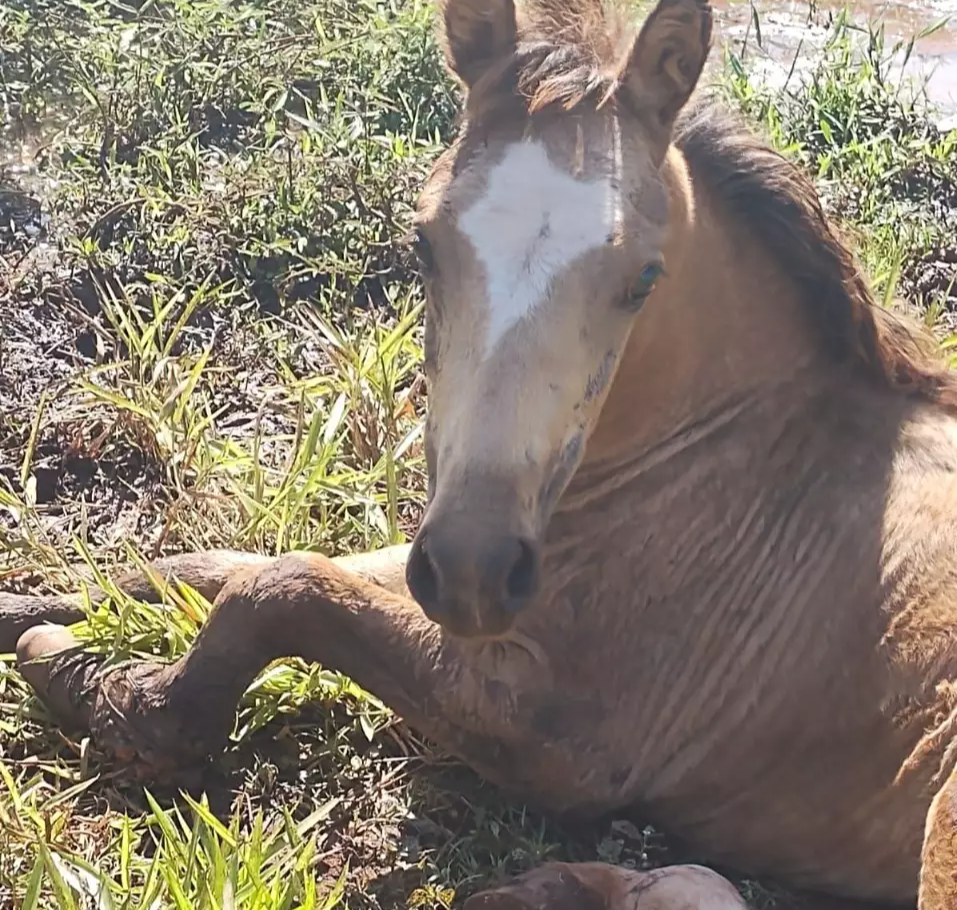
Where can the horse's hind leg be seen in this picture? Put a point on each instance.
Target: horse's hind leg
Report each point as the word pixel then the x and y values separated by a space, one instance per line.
pixel 938 872
pixel 600 886
pixel 299 605
pixel 206 572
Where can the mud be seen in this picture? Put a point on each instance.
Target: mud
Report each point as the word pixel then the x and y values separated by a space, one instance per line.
pixel 790 34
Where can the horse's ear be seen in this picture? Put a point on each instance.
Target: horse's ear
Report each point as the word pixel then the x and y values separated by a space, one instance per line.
pixel 476 33
pixel 662 66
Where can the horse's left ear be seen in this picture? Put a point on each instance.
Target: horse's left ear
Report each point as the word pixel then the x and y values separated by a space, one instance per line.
pixel 662 66
pixel 476 33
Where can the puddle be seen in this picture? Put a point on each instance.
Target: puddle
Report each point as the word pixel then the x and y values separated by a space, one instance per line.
pixel 24 220
pixel 788 26
pixel 22 145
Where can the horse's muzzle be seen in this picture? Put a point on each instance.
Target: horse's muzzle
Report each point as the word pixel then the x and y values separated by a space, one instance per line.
pixel 472 582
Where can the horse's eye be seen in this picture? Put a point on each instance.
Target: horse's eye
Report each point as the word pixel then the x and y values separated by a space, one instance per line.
pixel 643 286
pixel 423 252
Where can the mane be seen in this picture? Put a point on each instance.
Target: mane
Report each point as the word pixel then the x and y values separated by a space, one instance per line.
pixel 569 53
pixel 778 201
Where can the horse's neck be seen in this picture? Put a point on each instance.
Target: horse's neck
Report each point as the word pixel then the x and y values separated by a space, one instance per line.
pixel 726 321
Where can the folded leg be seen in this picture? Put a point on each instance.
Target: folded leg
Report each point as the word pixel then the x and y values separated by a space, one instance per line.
pixel 601 886
pixel 206 572
pixel 299 605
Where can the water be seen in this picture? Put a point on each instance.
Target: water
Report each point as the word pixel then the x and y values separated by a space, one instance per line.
pixel 24 220
pixel 789 25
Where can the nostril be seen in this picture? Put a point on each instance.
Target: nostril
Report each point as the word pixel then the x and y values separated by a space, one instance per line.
pixel 421 575
pixel 522 579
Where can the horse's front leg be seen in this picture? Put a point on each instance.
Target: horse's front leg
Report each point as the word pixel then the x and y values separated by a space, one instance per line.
pixel 301 605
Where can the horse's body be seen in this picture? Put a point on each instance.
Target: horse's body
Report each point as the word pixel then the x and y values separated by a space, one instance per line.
pixel 735 609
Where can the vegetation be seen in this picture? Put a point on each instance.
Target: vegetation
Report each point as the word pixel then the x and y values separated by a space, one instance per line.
pixel 884 170
pixel 209 337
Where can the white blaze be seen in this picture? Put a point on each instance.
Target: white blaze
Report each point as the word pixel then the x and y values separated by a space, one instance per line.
pixel 532 222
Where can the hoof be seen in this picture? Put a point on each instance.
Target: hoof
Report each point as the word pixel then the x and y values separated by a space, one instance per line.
pixel 123 706
pixel 131 719
pixel 63 675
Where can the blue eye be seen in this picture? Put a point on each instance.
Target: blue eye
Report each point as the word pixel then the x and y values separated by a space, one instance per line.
pixel 650 273
pixel 643 286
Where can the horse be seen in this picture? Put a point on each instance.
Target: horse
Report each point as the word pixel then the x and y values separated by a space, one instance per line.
pixel 690 545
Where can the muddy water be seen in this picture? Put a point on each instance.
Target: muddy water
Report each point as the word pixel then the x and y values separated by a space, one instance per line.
pixel 797 29
pixel 23 186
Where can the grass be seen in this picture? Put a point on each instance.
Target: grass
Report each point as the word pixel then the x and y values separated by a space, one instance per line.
pixel 210 337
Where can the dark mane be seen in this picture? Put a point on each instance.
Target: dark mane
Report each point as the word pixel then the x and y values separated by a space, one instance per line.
pixel 779 202
pixel 569 53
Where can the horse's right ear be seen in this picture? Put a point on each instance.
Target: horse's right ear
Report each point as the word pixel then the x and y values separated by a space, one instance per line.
pixel 476 33
pixel 663 63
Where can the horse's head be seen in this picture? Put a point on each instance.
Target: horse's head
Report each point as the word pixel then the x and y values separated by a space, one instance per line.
pixel 540 236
